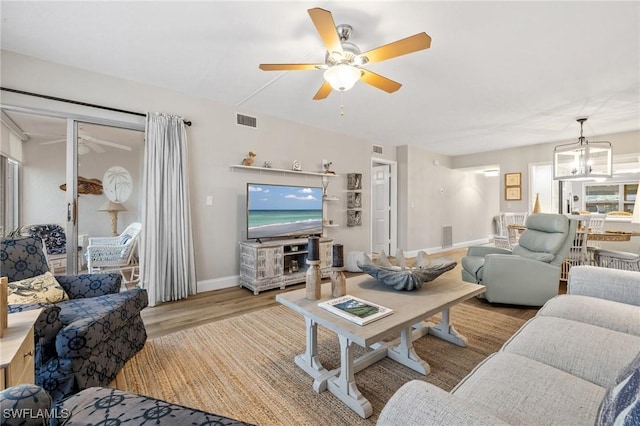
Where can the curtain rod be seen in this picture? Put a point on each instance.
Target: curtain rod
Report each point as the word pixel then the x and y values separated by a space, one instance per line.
pixel 69 101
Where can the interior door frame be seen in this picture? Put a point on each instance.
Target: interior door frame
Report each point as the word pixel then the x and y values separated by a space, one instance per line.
pixel 393 201
pixel 73 118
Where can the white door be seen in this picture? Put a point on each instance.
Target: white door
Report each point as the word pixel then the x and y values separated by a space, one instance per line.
pixel 381 203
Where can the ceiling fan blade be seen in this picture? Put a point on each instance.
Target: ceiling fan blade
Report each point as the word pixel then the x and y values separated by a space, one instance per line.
pixel 290 67
pixel 323 92
pixel 380 82
pixel 94 146
pixel 52 142
pixel 88 138
pixel 411 44
pixel 323 20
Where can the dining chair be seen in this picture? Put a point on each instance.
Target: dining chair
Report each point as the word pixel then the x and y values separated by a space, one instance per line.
pixel 596 225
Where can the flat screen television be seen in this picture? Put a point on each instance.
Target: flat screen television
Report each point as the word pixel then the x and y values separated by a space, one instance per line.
pixel 279 211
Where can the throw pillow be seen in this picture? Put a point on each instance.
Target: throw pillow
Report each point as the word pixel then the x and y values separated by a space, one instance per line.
pixel 42 288
pixel 621 404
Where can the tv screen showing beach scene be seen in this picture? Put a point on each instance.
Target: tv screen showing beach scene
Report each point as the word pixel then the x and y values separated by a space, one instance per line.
pixel 276 211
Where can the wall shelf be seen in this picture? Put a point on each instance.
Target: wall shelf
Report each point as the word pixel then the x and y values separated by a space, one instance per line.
pixel 272 170
pixel 354 199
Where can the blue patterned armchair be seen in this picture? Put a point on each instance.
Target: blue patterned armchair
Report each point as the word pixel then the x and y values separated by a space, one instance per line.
pixel 80 342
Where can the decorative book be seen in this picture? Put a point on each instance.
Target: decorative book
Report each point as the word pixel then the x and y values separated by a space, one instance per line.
pixel 355 309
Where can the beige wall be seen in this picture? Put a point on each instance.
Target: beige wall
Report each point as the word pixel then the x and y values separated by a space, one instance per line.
pixel 519 159
pixel 215 143
pixel 433 195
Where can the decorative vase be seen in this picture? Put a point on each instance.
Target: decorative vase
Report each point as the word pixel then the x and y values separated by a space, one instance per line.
pixel 313 280
pixel 338 282
pixel 536 205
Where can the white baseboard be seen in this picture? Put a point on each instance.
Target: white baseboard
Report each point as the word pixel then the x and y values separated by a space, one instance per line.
pixel 433 250
pixel 218 283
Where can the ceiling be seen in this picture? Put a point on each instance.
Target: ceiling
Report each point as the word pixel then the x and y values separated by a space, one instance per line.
pixel 497 75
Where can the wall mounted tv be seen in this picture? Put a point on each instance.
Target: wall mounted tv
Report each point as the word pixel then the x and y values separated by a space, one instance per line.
pixel 279 211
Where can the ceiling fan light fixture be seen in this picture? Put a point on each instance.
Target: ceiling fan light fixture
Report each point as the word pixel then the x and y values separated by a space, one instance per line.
pixel 342 76
pixel 83 149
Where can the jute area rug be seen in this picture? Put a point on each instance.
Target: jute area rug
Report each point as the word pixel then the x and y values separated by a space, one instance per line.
pixel 243 367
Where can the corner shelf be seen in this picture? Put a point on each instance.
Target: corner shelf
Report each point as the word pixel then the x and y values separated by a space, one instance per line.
pixel 272 170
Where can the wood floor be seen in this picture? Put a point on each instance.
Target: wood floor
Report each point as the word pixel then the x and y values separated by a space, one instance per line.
pixel 215 305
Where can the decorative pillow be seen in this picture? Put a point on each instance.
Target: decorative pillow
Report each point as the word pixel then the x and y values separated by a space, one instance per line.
pixel 621 404
pixel 43 288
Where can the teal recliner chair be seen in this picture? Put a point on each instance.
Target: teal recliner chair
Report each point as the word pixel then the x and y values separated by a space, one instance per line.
pixel 529 274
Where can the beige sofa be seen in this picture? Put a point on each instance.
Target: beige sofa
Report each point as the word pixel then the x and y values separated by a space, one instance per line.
pixel 556 369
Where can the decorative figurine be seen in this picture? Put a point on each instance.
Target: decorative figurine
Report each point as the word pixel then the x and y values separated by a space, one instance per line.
pixel 248 161
pixel 326 167
pixel 297 166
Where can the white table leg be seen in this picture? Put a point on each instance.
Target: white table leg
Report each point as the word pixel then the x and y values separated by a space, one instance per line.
pixel 344 386
pixel 309 361
pixel 444 330
pixel 406 355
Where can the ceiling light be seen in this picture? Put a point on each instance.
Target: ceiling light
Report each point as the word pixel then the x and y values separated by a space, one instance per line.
pixel 83 149
pixel 583 159
pixel 342 76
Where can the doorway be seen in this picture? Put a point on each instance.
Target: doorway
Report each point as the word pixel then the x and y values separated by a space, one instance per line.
pixel 383 233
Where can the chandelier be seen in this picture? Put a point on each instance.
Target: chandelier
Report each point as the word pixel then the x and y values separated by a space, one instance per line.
pixel 583 159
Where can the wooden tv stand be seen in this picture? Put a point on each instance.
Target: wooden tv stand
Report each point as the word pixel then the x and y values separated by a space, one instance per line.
pixel 272 264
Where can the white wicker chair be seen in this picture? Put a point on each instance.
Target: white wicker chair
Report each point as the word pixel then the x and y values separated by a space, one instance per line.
pixel 596 225
pixel 519 219
pixel 617 259
pixel 116 254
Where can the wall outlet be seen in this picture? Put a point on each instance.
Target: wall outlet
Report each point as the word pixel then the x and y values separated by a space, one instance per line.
pixel 209 200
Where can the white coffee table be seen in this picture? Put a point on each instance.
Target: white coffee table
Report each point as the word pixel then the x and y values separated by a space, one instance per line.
pixel 411 308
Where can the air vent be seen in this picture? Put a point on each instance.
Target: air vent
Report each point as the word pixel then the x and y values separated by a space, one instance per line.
pixel 376 149
pixel 447 236
pixel 245 120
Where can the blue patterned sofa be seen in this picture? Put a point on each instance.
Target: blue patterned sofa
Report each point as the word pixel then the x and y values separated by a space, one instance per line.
pixel 80 342
pixel 29 405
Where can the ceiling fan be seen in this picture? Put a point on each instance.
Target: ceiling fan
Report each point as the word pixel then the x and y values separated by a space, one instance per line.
pixel 343 59
pixel 87 143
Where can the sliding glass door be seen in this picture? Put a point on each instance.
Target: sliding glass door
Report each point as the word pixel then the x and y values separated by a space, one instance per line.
pixel 62 163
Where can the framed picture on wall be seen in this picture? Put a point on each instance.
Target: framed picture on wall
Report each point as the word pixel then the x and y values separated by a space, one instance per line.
pixel 512 193
pixel 512 179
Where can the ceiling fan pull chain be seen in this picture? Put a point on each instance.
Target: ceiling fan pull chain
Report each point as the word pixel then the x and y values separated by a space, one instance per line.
pixel 341 103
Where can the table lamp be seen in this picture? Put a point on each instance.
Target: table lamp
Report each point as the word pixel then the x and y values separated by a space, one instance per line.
pixel 113 209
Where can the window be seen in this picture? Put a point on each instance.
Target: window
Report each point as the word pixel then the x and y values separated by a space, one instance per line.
pixel 610 197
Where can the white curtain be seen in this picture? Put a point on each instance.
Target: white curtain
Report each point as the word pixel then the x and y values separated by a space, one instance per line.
pixel 166 250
